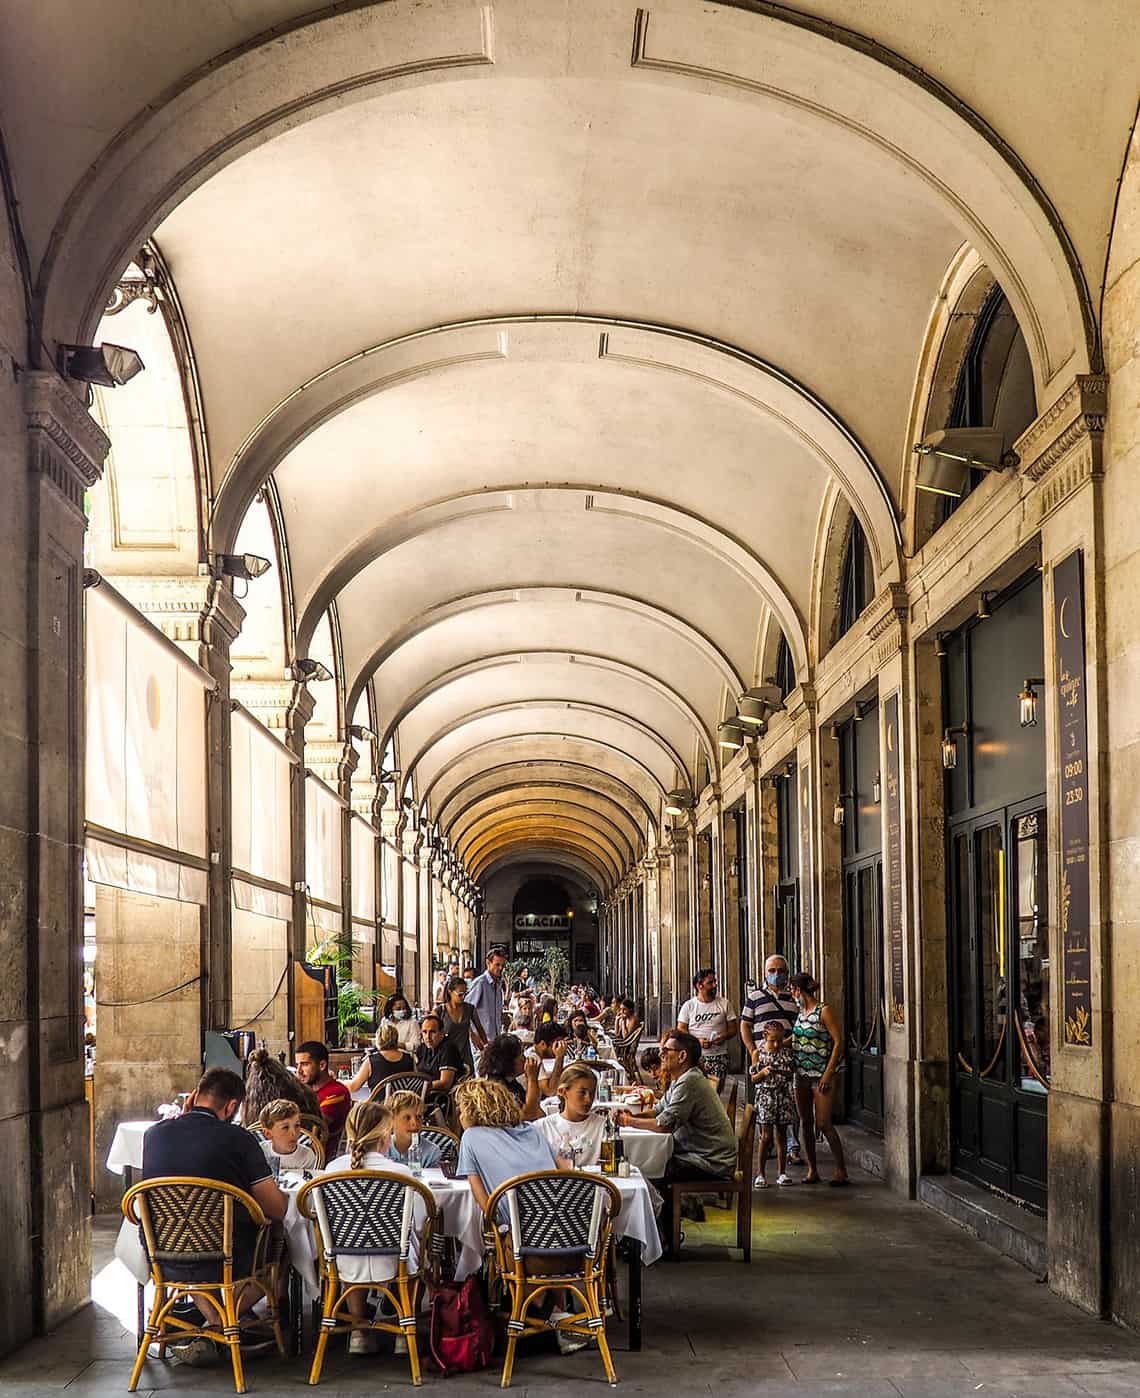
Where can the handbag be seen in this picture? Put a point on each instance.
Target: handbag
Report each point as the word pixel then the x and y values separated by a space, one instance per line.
pixel 462 1335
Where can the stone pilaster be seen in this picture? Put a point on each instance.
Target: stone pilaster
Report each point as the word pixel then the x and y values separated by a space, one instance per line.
pixel 49 1246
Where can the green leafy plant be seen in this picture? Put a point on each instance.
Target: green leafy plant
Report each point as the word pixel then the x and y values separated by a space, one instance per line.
pixel 352 999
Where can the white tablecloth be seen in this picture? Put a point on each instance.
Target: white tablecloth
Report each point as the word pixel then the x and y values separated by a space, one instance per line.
pixel 127 1146
pixel 463 1221
pixel 649 1151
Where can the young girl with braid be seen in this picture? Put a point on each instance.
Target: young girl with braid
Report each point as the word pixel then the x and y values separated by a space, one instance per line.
pixel 368 1134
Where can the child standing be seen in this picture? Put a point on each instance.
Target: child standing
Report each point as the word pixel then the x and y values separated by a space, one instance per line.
pixel 407 1110
pixel 774 1076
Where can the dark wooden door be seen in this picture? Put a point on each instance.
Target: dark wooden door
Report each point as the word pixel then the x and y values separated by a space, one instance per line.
pixel 999 983
pixel 863 1010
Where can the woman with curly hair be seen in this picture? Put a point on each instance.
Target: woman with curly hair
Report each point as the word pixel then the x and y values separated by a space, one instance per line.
pixel 267 1081
pixel 504 1062
pixel 496 1145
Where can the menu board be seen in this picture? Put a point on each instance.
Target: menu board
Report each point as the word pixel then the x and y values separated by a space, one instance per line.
pixel 1069 677
pixel 894 860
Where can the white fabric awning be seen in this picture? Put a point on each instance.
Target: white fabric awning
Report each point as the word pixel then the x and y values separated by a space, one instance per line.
pixel 269 902
pixel 144 872
pixel 260 773
pixel 324 816
pixel 146 736
pixel 363 870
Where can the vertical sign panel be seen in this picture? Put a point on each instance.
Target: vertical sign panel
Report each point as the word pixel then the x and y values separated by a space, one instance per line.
pixel 807 921
pixel 894 860
pixel 1069 668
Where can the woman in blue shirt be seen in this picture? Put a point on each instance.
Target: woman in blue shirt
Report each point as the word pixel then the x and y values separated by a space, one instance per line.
pixel 496 1146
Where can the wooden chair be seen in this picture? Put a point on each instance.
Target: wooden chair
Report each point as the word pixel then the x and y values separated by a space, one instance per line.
pixel 728 1096
pixel 188 1227
pixel 555 1216
pixel 358 1213
pixel 739 1185
pixel 625 1051
pixel 400 1082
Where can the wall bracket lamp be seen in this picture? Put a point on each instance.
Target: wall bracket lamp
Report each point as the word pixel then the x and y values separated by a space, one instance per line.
pixel 952 453
pixel 1027 702
pixel 306 669
pixel 950 747
pixel 731 734
pixel 242 565
pixel 839 810
pixel 361 733
pixel 109 366
pixel 678 801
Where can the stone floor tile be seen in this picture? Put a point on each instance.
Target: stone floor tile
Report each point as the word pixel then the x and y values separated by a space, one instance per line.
pixel 1115 1383
pixel 1009 1386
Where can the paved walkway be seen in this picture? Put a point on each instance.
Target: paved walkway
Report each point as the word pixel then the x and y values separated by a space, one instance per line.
pixel 851 1292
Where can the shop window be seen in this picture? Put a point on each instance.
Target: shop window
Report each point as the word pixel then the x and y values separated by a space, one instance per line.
pixel 785 667
pixel 995 384
pixel 856 578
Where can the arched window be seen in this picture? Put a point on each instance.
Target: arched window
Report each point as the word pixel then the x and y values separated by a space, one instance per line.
pixel 995 384
pixel 856 579
pixel 785 667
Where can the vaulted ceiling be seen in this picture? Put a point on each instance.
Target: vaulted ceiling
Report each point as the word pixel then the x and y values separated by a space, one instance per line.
pixel 556 325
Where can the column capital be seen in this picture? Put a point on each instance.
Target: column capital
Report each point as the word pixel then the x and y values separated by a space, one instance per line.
pixel 334 762
pixel 192 610
pixel 1063 447
pixel 65 443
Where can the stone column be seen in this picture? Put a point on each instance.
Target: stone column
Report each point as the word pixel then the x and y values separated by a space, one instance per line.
pixel 44 1122
pixel 666 936
pixel 1094 1099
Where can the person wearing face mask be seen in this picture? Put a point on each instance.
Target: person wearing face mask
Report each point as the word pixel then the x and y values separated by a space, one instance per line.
pixel 398 1013
pixel 771 1003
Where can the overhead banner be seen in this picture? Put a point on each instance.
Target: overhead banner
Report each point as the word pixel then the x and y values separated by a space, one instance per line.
pixel 1069 677
pixel 894 913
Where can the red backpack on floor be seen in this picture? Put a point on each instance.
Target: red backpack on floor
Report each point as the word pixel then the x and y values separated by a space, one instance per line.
pixel 462 1335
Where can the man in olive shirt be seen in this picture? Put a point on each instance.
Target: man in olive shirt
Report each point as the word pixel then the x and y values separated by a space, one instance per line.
pixel 704 1142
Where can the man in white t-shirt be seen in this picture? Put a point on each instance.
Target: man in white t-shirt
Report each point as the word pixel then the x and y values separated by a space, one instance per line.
pixel 710 1020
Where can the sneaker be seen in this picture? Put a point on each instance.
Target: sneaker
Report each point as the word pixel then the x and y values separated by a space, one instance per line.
pixel 198 1354
pixel 362 1342
pixel 786 1179
pixel 760 1182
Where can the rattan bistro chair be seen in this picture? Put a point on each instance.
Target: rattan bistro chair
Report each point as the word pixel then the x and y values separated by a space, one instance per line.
pixel 370 1213
pixel 555 1217
pixel 317 1127
pixel 625 1051
pixel 447 1142
pixel 400 1082
pixel 188 1225
pixel 310 1139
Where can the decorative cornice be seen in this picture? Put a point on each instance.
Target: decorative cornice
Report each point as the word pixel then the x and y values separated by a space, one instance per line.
pixel 191 609
pixel 886 610
pixel 1075 418
pixel 65 443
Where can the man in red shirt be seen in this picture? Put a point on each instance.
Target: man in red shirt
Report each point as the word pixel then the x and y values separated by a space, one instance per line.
pixel 334 1097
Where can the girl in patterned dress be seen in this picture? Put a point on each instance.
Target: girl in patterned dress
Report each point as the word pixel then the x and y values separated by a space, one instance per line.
pixel 774 1074
pixel 818 1040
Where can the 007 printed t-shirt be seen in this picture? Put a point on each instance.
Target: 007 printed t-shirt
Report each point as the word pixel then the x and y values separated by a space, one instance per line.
pixel 704 1021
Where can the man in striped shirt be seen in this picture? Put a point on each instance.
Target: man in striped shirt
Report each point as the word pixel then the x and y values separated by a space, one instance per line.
pixel 771 1003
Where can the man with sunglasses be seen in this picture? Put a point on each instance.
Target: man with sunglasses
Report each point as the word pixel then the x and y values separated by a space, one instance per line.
pixel 704 1143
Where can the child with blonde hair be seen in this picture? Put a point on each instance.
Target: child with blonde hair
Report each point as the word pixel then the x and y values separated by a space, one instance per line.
pixel 575 1130
pixel 368 1134
pixel 280 1124
pixel 407 1110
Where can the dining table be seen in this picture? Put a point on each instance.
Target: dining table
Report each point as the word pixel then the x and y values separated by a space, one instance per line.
pixel 461 1220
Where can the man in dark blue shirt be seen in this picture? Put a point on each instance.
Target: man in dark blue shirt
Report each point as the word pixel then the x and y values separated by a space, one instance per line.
pixel 204 1142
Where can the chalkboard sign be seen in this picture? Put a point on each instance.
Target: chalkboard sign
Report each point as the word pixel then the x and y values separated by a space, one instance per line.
pixel 894 859
pixel 1073 765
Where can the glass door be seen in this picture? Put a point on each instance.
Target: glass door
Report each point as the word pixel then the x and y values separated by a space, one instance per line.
pixel 999 973
pixel 864 1013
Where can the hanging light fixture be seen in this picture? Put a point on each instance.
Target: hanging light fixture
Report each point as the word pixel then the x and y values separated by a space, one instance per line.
pixel 1027 702
pixel 940 645
pixel 755 706
pixel 678 801
pixel 950 747
pixel 985 609
pixel 731 734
